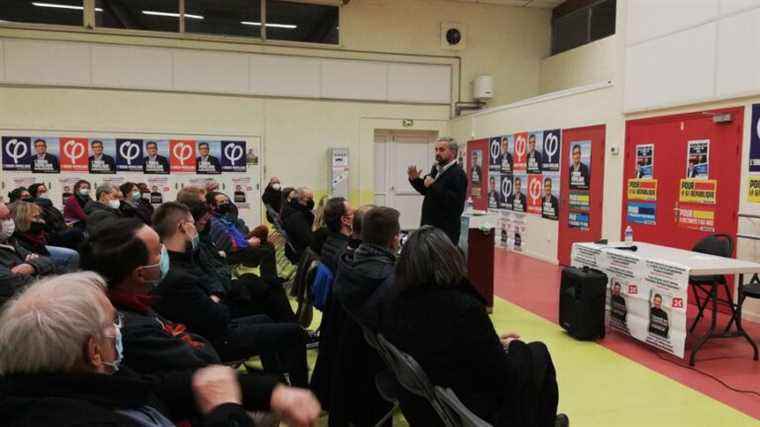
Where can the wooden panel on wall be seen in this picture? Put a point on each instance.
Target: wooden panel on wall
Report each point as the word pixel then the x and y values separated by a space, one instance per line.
pixel 131 67
pixel 203 71
pixel 277 75
pixel 45 62
pixel 354 80
pixel 419 83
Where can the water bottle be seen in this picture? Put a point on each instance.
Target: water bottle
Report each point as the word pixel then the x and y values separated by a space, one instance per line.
pixel 629 235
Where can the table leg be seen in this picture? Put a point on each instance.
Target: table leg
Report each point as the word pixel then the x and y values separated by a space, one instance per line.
pixel 711 332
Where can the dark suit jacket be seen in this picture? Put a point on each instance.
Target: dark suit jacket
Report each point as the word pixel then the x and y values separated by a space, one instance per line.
pixel 213 161
pixel 539 162
pixel 444 200
pixel 161 161
pixel 108 160
pixel 521 198
pixel 583 169
pixel 555 207
pixel 51 159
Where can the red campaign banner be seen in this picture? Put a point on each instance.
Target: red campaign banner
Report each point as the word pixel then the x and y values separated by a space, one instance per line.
pixel 73 154
pixel 477 183
pixel 534 191
pixel 182 155
pixel 521 152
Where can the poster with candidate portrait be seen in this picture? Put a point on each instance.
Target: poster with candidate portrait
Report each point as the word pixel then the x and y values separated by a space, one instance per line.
pixel 534 192
pixel 518 201
pixel 506 159
pixel 645 161
pixel 129 155
pixel 208 161
pixel 754 141
pixel 698 159
pixel 182 156
pixel 520 153
pixel 242 193
pixel 579 171
pixel 156 160
pixel 552 149
pixel 234 156
pixel 494 190
pixel 102 156
pixel 66 183
pixel 45 155
pixel 494 155
pixel 159 189
pixel 73 152
pixel 550 196
pixel 17 153
pixel 535 155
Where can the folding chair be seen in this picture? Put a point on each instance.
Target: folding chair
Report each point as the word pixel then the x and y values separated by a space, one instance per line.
pixel 719 245
pixel 412 378
pixel 457 409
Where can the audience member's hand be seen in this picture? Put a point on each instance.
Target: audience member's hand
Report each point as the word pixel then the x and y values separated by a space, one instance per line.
pixel 297 407
pixel 413 172
pixel 216 299
pixel 216 385
pixel 509 337
pixel 254 241
pixel 31 257
pixel 23 269
pixel 428 181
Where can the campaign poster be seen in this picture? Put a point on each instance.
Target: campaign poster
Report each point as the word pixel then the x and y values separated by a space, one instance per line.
pixel 66 184
pixel 45 155
pixel 494 156
pixel 502 232
pixel 17 153
pixel 518 201
pixel 476 173
pixel 494 190
pixel 159 189
pixel 520 155
pixel 73 153
pixel 242 193
pixel 697 219
pixel 579 220
pixel 754 140
pixel 252 155
pixel 506 148
pixel 535 154
pixel 753 190
pixel 642 189
pixel 156 160
pixel 550 199
pixel 102 156
pixel 698 159
pixel 642 213
pixel 579 201
pixel 182 156
pixel 209 153
pixel 618 304
pixel 234 156
pixel 129 155
pixel 519 232
pixel 535 192
pixel 579 171
pixel 696 190
pixel 552 150
pixel 204 182
pixel 645 161
pixel 505 191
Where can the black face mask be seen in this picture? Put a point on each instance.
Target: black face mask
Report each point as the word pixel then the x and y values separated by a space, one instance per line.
pixel 36 227
pixel 224 209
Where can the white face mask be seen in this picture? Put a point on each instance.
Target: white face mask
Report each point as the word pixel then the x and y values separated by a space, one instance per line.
pixel 84 191
pixel 43 196
pixel 114 204
pixel 7 227
pixel 276 186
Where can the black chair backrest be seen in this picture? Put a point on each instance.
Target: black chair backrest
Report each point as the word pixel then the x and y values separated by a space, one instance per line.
pixel 458 410
pixel 412 377
pixel 716 244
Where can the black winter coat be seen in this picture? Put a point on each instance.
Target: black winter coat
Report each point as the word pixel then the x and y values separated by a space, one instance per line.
pixel 444 200
pixel 334 245
pixel 297 221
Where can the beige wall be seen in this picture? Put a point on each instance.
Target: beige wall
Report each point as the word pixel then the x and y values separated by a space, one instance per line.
pixel 591 63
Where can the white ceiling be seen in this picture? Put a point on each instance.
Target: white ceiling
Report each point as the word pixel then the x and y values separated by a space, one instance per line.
pixel 543 4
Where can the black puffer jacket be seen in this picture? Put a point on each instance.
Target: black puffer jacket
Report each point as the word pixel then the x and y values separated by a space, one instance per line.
pixel 363 277
pixel 297 220
pixel 333 247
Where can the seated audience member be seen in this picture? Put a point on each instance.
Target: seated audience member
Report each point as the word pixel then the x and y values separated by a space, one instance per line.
pixel 238 243
pixel 55 224
pixel 130 206
pixel 245 295
pixel 297 219
pixel 272 197
pixel 73 207
pixel 20 193
pixel 145 202
pixel 105 206
pixel 502 380
pixel 18 266
pixel 191 192
pixel 30 233
pixel 184 296
pixel 356 230
pixel 62 355
pixel 339 218
pixel 288 194
pixel 319 228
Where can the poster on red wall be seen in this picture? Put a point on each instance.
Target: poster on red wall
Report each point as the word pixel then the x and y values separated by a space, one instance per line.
pixel 182 156
pixel 520 156
pixel 477 176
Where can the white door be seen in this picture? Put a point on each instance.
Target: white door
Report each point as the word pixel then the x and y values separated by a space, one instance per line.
pixel 394 153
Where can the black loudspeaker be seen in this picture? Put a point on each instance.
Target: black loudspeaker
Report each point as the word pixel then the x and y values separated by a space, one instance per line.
pixel 582 296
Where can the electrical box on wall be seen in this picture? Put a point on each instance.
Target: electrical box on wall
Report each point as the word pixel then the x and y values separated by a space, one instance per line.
pixel 338 172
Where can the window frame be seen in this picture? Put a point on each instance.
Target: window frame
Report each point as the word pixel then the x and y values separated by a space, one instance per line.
pixel 588 10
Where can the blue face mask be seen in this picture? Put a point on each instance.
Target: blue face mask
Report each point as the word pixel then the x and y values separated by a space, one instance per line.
pixel 195 242
pixel 119 345
pixel 164 263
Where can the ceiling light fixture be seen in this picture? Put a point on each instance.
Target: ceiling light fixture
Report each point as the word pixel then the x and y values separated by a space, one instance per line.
pixel 258 24
pixel 62 6
pixel 170 14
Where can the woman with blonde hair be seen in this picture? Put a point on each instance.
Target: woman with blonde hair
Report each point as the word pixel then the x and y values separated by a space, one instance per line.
pixel 319 228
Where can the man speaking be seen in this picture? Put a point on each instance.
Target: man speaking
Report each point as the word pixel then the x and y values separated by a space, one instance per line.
pixel 444 188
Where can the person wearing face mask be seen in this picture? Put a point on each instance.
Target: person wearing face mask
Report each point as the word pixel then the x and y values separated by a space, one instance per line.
pixel 130 205
pixel 105 206
pixel 272 197
pixel 58 233
pixel 30 233
pixel 20 193
pixel 235 338
pixel 345 360
pixel 86 382
pixel 339 217
pixel 18 266
pixel 73 208
pixel 297 219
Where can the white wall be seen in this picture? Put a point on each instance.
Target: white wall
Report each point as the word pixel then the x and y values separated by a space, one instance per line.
pixel 587 64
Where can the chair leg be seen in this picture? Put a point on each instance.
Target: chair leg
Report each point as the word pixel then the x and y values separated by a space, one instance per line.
pixel 701 304
pixel 386 417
